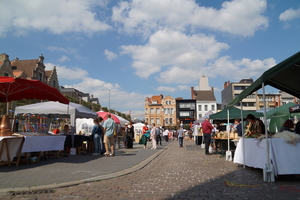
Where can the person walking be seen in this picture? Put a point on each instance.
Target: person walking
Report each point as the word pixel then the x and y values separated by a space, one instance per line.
pixel 129 136
pixel 166 135
pixel 180 134
pixel 97 133
pixel 207 130
pixel 153 136
pixel 158 136
pixel 109 127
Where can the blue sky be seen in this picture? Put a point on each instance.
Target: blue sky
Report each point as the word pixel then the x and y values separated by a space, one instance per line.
pixel 142 48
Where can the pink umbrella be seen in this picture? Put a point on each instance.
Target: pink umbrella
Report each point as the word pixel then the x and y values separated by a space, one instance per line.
pixel 103 115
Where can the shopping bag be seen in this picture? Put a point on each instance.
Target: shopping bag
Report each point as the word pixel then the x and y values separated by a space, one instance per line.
pixel 210 149
pixel 202 146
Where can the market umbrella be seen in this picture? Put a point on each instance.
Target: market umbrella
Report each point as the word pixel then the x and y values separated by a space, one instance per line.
pixel 18 88
pixel 103 115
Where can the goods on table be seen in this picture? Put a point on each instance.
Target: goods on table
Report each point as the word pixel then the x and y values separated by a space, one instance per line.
pixel 31 134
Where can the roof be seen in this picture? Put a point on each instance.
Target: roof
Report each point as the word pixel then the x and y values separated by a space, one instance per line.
pixel 233 113
pixel 27 66
pixel 204 95
pixel 283 76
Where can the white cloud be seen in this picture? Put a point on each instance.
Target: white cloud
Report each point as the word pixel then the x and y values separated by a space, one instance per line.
pixel 289 14
pixel 167 50
pixel 118 98
pixel 110 55
pixel 55 16
pixel 165 89
pixel 238 17
pixel 68 73
pixel 185 87
pixel 63 59
pixel 238 69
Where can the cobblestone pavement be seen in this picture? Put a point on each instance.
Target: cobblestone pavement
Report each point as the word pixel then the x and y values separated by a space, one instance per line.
pixel 178 173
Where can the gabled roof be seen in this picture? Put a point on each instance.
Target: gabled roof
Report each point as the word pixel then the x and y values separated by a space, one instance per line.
pixel 204 95
pixel 27 66
pixel 156 98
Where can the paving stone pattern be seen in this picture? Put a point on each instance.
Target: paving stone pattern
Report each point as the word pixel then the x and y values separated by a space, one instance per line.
pixel 179 173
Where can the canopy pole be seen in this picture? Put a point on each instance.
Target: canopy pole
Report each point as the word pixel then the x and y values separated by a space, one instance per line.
pixel 268 171
pixel 243 137
pixel 228 152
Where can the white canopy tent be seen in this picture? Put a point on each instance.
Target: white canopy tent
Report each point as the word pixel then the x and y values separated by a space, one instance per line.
pixel 53 109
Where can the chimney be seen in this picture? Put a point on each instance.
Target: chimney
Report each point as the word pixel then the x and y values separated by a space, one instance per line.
pixel 228 83
pixel 225 85
pixel 192 93
pixel 212 88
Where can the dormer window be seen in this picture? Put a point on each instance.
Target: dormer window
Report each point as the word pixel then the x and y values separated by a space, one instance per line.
pixel 154 102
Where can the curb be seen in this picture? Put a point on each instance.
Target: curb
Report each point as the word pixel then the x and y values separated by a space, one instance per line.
pixel 137 167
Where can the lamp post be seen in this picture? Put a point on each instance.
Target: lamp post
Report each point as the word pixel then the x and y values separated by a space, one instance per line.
pixel 108 99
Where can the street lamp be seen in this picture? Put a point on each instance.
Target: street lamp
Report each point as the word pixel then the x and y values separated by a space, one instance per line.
pixel 108 99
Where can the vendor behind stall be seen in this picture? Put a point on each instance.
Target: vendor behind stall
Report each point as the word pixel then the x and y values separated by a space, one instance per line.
pixel 255 127
pixel 287 126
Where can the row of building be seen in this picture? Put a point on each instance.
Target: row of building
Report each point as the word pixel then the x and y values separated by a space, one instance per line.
pixel 171 112
pixel 34 69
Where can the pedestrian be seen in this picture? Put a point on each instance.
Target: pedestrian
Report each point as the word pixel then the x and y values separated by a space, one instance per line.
pixel 143 139
pixel 166 135
pixel 158 136
pixel 109 127
pixel 97 133
pixel 153 136
pixel 146 131
pixel 238 127
pixel 180 134
pixel 207 130
pixel 129 135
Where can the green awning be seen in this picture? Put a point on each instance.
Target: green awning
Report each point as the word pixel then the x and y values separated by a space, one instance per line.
pixel 234 113
pixel 283 76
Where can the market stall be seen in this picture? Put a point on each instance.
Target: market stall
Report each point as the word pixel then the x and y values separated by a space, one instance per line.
pixel 55 109
pixel 284 156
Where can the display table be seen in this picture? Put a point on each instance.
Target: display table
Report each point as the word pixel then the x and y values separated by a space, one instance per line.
pixel 10 147
pixel 43 143
pixel 284 156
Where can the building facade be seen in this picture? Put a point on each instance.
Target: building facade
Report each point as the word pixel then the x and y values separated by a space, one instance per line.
pixel 185 112
pixel 231 90
pixel 160 110
pixel 272 101
pixel 205 98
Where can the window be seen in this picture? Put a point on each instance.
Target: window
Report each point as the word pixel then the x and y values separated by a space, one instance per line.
pixel 205 107
pixel 212 107
pixel 152 120
pixel 166 120
pixel 187 105
pixel 157 120
pixel 54 84
pixel 157 110
pixel 5 74
pixel 151 110
pixel 184 113
pixel 40 76
pixel 240 87
pixel 200 107
pixel 199 116
pixel 168 111
pixel 154 102
pixel 171 120
pixel 168 102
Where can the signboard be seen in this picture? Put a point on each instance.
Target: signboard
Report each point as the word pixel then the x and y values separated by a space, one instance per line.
pixel 295 109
